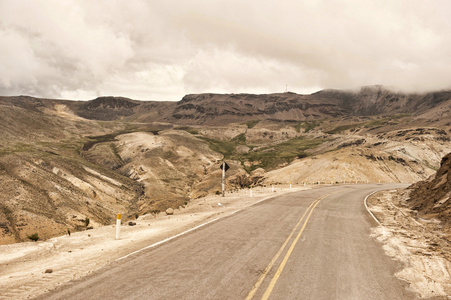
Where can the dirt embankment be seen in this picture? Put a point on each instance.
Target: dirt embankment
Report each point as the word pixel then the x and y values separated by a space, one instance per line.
pixel 422 246
pixel 431 198
pixel 416 230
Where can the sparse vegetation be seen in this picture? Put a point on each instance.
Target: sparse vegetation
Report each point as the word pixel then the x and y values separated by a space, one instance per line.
pixel 342 128
pixel 188 129
pixel 192 131
pixel 240 139
pixel 115 152
pixel 227 148
pixel 267 157
pixel 306 125
pixel 34 237
pixel 251 124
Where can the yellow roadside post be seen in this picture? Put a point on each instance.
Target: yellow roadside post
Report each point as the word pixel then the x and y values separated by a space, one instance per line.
pixel 118 226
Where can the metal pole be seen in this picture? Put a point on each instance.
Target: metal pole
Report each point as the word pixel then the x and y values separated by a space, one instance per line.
pixel 223 179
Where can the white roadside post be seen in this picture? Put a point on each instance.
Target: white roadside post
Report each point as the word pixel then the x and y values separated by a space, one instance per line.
pixel 118 226
pixel 273 188
pixel 290 185
pixel 251 192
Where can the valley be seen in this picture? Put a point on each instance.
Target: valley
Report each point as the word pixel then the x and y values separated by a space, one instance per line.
pixel 69 165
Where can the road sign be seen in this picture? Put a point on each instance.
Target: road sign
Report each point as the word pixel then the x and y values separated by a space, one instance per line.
pixel 225 166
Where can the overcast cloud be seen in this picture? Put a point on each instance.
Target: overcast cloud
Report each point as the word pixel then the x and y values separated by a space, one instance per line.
pixel 162 50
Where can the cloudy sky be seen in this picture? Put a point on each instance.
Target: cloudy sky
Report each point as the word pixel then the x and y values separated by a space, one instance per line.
pixel 164 49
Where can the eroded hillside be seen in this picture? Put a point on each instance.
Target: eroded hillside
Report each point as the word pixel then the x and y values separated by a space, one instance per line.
pixel 431 198
pixel 67 165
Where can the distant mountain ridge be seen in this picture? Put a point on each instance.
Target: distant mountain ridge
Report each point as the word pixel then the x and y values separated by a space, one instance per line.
pixel 223 109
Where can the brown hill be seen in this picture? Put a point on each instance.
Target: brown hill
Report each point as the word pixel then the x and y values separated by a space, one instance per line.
pixel 222 109
pixel 64 161
pixel 431 198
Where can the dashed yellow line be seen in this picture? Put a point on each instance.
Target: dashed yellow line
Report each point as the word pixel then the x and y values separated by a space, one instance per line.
pixel 287 255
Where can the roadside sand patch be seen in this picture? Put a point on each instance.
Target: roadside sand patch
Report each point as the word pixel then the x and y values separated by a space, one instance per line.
pixel 423 247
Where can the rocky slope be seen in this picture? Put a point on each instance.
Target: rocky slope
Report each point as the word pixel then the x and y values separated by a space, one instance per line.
pixel 431 198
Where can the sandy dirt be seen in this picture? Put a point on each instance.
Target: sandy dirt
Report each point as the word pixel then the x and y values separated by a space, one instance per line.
pixel 33 268
pixel 423 246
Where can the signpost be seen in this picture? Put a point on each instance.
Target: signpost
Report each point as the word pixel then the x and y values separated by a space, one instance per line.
pixel 224 168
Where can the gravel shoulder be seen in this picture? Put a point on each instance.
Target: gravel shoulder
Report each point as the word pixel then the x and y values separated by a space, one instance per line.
pixel 33 268
pixel 423 246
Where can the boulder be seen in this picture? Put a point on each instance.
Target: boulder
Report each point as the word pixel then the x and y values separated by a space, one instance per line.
pixel 169 211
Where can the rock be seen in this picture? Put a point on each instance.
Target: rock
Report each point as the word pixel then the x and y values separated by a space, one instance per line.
pixel 89 227
pixel 169 211
pixel 131 223
pixel 242 149
pixel 258 172
pixel 49 271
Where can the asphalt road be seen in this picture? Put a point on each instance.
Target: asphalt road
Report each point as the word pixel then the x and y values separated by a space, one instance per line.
pixel 311 244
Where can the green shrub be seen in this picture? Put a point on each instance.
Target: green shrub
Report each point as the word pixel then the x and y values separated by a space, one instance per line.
pixel 34 237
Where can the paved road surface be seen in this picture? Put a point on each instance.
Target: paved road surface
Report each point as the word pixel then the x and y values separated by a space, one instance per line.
pixel 311 244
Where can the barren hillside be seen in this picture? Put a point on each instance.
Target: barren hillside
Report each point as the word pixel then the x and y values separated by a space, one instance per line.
pixel 64 164
pixel 430 198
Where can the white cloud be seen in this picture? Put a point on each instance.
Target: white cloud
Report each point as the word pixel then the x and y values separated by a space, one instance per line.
pixel 164 49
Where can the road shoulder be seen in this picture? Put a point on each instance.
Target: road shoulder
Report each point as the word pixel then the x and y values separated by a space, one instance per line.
pixel 422 246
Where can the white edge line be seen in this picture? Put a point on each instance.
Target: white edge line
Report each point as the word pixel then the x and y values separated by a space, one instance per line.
pixel 187 231
pixel 366 206
pixel 167 239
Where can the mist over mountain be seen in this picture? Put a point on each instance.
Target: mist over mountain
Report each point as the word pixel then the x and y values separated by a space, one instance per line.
pixel 222 109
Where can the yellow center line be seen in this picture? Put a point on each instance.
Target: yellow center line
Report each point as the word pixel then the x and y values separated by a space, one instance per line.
pixel 265 272
pixel 285 259
pixel 282 265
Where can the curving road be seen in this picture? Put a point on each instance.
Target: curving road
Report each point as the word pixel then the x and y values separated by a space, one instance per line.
pixel 312 244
